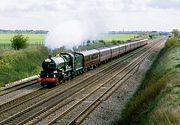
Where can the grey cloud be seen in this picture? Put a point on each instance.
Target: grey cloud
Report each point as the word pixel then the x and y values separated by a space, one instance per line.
pixel 108 13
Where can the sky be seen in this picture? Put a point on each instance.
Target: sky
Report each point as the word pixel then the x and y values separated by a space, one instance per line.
pixel 103 15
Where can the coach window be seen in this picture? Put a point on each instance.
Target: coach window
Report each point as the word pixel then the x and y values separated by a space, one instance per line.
pixel 94 57
pixel 87 59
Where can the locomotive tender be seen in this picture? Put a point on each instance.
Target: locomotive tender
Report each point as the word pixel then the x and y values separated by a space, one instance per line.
pixel 68 65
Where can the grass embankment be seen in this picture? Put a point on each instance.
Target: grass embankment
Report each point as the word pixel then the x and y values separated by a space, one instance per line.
pixel 157 102
pixel 15 65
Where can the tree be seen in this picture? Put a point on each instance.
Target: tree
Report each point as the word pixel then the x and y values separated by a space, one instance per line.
pixel 19 42
pixel 119 41
pixel 176 33
pixel 114 42
pixel 102 41
pixel 151 36
pixel 88 42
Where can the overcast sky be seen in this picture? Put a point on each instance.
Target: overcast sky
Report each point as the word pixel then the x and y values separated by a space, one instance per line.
pixel 110 14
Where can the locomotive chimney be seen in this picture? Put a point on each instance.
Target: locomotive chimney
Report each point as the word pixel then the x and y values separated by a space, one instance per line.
pixel 49 56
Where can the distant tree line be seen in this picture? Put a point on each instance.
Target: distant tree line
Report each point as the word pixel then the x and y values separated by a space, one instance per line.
pixel 24 31
pixel 126 32
pixel 135 32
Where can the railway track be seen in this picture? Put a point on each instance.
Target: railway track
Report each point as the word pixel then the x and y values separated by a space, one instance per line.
pixel 18 87
pixel 20 93
pixel 34 94
pixel 118 80
pixel 78 111
pixel 23 116
pixel 12 103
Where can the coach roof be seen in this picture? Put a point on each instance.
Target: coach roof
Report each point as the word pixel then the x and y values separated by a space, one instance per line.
pixel 104 49
pixel 89 52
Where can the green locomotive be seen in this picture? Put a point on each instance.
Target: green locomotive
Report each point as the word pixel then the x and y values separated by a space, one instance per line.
pixel 60 68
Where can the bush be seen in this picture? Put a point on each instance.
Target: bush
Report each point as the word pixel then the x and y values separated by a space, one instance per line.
pixel 172 42
pixel 114 42
pixel 102 41
pixel 19 42
pixel 176 33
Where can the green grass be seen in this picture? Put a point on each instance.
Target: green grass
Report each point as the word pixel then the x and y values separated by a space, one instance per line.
pixel 121 37
pixel 167 111
pixel 157 100
pixel 33 38
pixel 16 65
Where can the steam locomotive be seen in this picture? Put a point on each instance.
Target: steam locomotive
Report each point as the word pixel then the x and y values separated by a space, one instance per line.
pixel 68 65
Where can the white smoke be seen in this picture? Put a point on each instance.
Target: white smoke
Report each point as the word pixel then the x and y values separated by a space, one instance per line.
pixel 80 22
pixel 71 33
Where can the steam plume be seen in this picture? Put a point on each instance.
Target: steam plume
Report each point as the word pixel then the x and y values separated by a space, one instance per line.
pixel 71 33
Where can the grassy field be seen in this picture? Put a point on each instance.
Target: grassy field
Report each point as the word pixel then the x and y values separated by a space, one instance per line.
pixel 33 38
pixel 39 38
pixel 121 37
pixel 157 101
